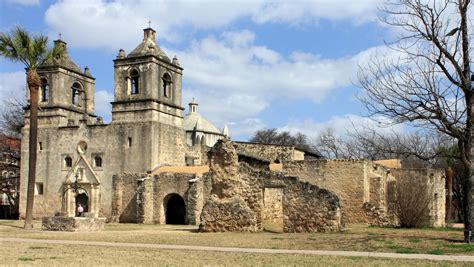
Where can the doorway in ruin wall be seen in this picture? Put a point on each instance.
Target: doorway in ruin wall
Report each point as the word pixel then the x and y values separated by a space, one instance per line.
pixel 273 209
pixel 175 209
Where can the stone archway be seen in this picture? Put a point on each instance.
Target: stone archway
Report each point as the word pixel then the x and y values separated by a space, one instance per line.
pixel 175 209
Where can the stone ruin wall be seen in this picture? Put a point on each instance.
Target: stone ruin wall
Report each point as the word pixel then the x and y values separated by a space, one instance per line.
pixel 270 152
pixel 199 153
pixel 365 187
pixel 433 182
pixel 139 198
pixel 345 178
pixel 246 199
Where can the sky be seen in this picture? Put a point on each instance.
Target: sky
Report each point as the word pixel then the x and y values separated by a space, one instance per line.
pixel 250 64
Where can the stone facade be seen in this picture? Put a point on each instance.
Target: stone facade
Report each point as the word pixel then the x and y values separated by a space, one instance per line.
pixel 146 129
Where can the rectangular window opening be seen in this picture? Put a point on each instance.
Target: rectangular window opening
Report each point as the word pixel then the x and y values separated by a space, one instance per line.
pixel 38 188
pixel 129 141
pixel 40 145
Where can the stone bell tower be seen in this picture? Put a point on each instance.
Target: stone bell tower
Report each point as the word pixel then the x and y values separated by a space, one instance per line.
pixel 147 101
pixel 147 81
pixel 66 93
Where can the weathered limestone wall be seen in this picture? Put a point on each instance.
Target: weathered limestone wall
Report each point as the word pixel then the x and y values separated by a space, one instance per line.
pixel 271 153
pixel 124 196
pixel 246 199
pixel 196 155
pixel 142 198
pixel 346 178
pixel 433 181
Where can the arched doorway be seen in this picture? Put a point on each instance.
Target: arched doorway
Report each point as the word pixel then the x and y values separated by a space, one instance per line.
pixel 175 209
pixel 82 199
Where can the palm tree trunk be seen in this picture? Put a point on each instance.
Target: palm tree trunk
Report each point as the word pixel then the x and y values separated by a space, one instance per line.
pixel 33 82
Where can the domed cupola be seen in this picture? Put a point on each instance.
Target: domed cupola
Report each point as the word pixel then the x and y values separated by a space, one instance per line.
pixel 149 46
pixel 198 129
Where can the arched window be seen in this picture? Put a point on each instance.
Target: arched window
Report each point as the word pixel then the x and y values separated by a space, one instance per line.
pixel 76 94
pixel 44 90
pixel 166 85
pixel 98 161
pixel 135 85
pixel 68 161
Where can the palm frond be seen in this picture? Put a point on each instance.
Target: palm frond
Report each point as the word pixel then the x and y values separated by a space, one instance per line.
pixel 31 50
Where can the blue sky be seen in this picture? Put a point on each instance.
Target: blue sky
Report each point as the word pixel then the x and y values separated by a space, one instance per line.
pixel 255 64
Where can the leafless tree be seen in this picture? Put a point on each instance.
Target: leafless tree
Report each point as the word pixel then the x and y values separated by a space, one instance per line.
pixel 12 116
pixel 428 81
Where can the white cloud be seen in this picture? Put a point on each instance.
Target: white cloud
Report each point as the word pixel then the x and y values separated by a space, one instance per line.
pixel 12 85
pixel 312 10
pixel 341 125
pixel 113 24
pixel 233 78
pixel 103 107
pixel 24 2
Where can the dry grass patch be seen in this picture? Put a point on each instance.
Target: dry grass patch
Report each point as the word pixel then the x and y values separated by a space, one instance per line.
pixel 66 255
pixel 354 238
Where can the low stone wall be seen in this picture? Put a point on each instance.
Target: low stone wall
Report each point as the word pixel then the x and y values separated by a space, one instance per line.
pixel 430 182
pixel 246 199
pixel 271 153
pixel 72 224
pixel 346 178
pixel 142 198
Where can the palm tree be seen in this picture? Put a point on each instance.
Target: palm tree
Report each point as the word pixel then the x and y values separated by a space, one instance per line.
pixel 32 51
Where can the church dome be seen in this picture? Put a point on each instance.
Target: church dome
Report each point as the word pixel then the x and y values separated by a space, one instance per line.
pixel 193 121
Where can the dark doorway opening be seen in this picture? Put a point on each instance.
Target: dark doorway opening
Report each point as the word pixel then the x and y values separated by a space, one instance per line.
pixel 83 200
pixel 175 209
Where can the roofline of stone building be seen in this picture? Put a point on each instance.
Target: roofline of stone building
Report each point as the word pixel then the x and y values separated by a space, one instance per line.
pixel 146 100
pixel 57 66
pixel 148 56
pixel 294 147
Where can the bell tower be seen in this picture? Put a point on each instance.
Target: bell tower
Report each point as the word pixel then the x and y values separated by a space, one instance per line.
pixel 66 93
pixel 147 107
pixel 146 82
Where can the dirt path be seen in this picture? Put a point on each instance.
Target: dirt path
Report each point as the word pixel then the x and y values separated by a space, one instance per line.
pixel 3 240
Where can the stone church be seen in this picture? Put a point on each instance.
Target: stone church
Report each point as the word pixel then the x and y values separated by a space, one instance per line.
pixel 156 163
pixel 78 154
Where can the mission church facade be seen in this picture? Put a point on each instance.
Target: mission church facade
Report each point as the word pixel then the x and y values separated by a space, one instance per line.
pixel 78 154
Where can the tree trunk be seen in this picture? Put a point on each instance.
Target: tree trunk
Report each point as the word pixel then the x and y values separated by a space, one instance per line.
pixel 449 194
pixel 33 82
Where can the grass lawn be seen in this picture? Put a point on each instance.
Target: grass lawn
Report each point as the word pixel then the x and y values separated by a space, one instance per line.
pixel 437 241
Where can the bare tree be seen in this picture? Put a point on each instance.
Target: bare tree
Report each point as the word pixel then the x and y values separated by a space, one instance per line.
pixel 428 82
pixel 12 116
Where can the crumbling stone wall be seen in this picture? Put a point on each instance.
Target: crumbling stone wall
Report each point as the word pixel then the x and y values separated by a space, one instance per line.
pixel 432 183
pixel 366 188
pixel 236 201
pixel 141 198
pixel 272 153
pixel 124 197
pixel 346 178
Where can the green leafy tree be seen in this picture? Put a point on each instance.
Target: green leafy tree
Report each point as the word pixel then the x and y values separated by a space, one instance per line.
pixel 31 50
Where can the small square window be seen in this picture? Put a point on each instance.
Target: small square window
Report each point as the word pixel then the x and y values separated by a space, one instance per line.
pixel 68 162
pixel 38 188
pixel 98 161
